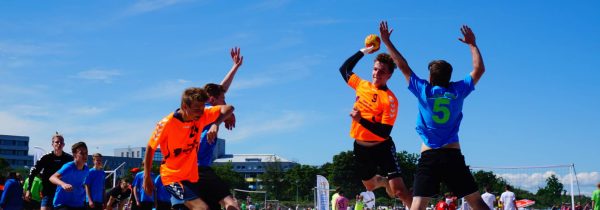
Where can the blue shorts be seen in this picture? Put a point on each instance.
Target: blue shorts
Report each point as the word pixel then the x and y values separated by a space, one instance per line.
pixel 184 190
pixel 47 201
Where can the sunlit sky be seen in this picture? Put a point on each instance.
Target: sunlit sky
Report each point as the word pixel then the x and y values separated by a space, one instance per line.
pixel 106 71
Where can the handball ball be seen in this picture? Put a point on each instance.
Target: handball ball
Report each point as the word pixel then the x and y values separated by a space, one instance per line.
pixel 373 40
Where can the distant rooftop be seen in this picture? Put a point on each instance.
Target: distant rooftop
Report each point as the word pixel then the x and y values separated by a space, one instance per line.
pixel 236 158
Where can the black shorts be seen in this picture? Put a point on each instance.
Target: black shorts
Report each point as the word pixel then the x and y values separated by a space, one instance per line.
pixel 212 188
pixel 443 165
pixel 383 155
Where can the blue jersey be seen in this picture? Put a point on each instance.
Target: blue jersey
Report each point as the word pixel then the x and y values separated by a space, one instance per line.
pixel 11 196
pixel 95 181
pixel 71 175
pixel 206 150
pixel 440 109
pixel 138 182
pixel 161 192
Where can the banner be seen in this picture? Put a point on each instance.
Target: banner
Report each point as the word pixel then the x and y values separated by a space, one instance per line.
pixel 322 193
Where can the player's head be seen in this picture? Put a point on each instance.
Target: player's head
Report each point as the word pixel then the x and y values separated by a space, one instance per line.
pixel 80 152
pixel 123 184
pixel 192 103
pixel 440 73
pixel 97 158
pixel 507 187
pixel 383 68
pixel 58 142
pixel 598 185
pixel 216 94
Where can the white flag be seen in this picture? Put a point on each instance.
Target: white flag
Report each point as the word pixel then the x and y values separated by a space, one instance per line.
pixel 322 193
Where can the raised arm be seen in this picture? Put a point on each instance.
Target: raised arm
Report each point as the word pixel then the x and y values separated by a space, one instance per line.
pixel 469 39
pixel 238 59
pixel 226 111
pixel 396 56
pixel 348 66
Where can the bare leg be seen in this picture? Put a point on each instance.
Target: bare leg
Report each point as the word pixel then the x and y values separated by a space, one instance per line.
pixel 196 204
pixel 376 182
pixel 474 200
pixel 419 203
pixel 399 190
pixel 229 203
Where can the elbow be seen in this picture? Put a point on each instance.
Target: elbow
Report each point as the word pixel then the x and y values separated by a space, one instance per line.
pixel 227 109
pixel 54 180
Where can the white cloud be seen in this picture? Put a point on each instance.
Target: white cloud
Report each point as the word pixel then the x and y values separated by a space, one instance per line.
pixel 279 73
pixel 98 74
pixel 31 110
pixel 166 89
pixel 99 136
pixel 251 129
pixel 87 110
pixel 15 55
pixel 248 83
pixel 533 181
pixel 146 6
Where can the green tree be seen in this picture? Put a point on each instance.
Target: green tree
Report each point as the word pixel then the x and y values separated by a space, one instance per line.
pixel 4 165
pixel 300 180
pixel 272 180
pixel 343 174
pixel 229 176
pixel 551 193
pixel 488 178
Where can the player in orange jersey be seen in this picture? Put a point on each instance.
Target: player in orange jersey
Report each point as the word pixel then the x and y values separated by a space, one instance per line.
pixel 178 136
pixel 373 117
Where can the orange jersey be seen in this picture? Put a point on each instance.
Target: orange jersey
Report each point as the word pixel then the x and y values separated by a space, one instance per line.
pixel 375 105
pixel 179 142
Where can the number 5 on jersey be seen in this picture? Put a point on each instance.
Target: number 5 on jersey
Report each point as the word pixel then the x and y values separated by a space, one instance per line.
pixel 438 107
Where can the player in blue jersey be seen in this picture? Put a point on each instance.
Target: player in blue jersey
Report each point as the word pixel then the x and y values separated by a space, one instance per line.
pixel 94 184
pixel 440 113
pixel 214 191
pixel 141 200
pixel 163 198
pixel 70 193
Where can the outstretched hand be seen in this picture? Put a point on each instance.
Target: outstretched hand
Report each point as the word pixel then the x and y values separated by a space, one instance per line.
pixel 468 35
pixel 368 50
pixel 237 58
pixel 230 122
pixel 384 31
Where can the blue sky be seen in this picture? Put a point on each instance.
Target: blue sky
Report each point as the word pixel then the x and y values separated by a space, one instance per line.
pixel 106 71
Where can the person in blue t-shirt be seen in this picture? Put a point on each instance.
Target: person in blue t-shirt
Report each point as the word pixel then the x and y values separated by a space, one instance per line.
pixel 214 191
pixel 440 112
pixel 11 196
pixel 70 193
pixel 141 200
pixel 94 184
pixel 163 198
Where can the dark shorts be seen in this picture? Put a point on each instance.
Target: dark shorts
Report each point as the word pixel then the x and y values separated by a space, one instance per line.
pixel 32 204
pixel 163 205
pixel 47 201
pixel 68 208
pixel 212 188
pixel 184 190
pixel 146 205
pixel 97 206
pixel 383 155
pixel 443 165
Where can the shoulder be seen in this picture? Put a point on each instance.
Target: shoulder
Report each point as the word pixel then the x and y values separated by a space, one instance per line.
pixel 47 156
